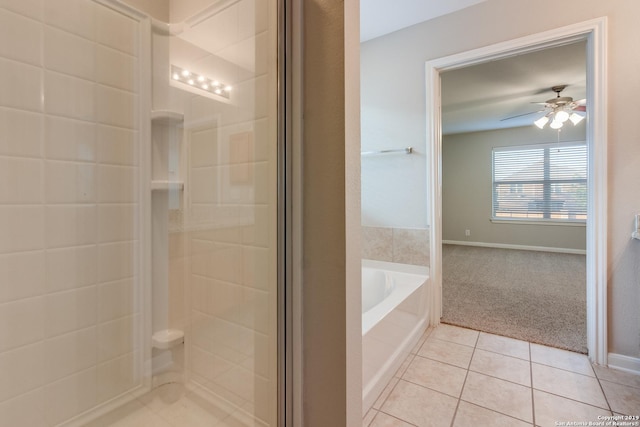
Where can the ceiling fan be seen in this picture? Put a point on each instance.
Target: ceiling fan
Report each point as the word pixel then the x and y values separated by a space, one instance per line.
pixel 558 110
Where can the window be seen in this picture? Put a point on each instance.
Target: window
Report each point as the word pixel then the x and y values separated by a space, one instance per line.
pixel 545 182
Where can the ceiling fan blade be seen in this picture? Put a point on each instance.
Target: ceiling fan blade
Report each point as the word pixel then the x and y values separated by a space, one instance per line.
pixel 521 115
pixel 580 108
pixel 582 101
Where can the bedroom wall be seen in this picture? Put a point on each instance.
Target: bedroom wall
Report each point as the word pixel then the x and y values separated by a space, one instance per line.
pixel 466 190
pixel 397 111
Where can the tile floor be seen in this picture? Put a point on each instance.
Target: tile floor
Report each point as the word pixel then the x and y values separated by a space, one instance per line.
pixel 458 377
pixel 171 405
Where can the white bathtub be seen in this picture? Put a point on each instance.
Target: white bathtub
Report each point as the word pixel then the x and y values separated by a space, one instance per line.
pixel 394 314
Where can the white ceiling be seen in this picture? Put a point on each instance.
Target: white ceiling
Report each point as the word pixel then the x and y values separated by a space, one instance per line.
pixel 380 17
pixel 479 97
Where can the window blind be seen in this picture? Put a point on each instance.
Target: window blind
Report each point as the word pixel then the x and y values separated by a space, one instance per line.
pixel 541 182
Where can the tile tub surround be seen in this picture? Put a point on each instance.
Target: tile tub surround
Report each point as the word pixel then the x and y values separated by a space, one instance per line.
pixel 400 245
pixel 459 377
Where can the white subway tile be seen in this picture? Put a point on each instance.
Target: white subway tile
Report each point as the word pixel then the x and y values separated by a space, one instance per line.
pixel 70 268
pixel 117 376
pixel 116 222
pixel 115 107
pixel 22 133
pixel 20 85
pixel 23 275
pixel 116 338
pixel 20 38
pixel 70 182
pixel 116 299
pixel 117 146
pixel 76 16
pixel 69 54
pixel 117 184
pixel 21 228
pixel 70 396
pixel 21 322
pixel 25 410
pixel 69 311
pixel 67 139
pixel 20 181
pixel 204 148
pixel 70 353
pixel 116 69
pixel 226 263
pixel 69 96
pixel 260 227
pixel 203 183
pixel 72 225
pixel 255 267
pixel 21 370
pixel 30 8
pixel 116 30
pixel 115 261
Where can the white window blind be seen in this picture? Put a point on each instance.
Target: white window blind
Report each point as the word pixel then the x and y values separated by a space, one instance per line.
pixel 541 182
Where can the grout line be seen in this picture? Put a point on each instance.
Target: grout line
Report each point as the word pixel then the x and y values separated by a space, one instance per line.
pixel 464 383
pixel 533 402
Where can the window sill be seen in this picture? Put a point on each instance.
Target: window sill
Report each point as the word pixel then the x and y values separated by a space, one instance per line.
pixel 536 222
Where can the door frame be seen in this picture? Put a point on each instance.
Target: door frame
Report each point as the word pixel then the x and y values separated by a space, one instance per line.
pixel 594 33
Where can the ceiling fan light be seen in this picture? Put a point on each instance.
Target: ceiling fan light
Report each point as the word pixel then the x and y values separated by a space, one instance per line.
pixel 541 122
pixel 576 118
pixel 561 116
pixel 555 124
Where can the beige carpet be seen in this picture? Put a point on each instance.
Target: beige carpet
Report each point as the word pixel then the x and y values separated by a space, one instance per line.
pixel 533 296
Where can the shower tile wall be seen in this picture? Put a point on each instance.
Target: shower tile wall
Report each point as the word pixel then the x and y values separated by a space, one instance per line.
pixel 68 174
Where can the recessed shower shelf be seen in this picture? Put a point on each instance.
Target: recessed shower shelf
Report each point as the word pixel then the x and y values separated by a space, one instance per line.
pixel 167 116
pixel 163 185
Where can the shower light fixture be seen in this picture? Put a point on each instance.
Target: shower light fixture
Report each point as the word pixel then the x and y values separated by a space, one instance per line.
pixel 194 81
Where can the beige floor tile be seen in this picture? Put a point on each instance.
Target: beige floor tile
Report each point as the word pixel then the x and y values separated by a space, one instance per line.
pixel 562 359
pixel 193 412
pixel 421 341
pixel 578 387
pixel 617 376
pixel 401 370
pixel 550 409
pixel 368 418
pixel 132 414
pixel 420 406
pixel 163 396
pixel 384 420
pixel 469 414
pixel 436 375
pixel 447 352
pixel 501 366
pixel 622 398
pixel 385 393
pixel 455 334
pixel 504 345
pixel 498 395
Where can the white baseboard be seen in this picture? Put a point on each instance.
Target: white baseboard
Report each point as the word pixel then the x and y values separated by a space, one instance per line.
pixel 518 247
pixel 624 363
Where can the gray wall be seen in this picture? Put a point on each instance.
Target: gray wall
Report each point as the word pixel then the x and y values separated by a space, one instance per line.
pixel 466 190
pixel 400 57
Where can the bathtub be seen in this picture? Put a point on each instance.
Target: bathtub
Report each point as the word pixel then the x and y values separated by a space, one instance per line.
pixel 394 315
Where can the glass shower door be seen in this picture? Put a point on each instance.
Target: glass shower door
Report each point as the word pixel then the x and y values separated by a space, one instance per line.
pixel 138 213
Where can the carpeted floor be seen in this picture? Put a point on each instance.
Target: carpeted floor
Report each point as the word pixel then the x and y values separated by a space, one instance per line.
pixel 533 296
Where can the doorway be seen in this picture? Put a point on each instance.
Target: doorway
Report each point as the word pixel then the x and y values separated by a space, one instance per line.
pixel 593 33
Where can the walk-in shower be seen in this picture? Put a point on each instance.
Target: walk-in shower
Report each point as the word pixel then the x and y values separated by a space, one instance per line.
pixel 138 213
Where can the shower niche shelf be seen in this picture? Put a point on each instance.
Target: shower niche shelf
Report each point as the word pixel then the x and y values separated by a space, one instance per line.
pixel 167 116
pixel 164 185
